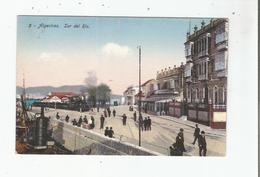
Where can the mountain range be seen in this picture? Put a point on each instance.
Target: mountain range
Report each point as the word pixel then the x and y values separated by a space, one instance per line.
pixel 44 90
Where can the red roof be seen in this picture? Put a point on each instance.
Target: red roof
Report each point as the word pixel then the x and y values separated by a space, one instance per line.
pixel 62 94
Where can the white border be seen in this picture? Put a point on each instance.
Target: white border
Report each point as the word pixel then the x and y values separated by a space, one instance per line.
pixel 241 158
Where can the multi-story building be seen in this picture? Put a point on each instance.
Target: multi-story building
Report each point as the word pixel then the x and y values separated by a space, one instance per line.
pixel 167 87
pixel 206 63
pixel 129 95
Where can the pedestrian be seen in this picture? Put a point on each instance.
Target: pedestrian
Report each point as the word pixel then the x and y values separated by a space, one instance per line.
pixel 180 142
pixel 149 123
pixel 145 123
pixel 196 134
pixel 105 113
pixel 108 111
pixel 67 118
pixel 111 133
pixel 135 116
pixel 85 120
pixel 114 113
pixel 202 144
pixel 124 119
pixel 74 122
pixel 106 131
pixel 102 120
pixel 80 121
pixel 97 108
pixel 92 125
pixel 57 115
pixel 141 120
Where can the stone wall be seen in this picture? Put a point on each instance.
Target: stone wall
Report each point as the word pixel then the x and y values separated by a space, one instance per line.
pixel 83 141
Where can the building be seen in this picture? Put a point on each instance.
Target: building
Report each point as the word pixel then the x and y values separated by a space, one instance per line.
pixel 206 52
pixel 206 63
pixel 116 100
pixel 167 87
pixel 129 95
pixel 58 97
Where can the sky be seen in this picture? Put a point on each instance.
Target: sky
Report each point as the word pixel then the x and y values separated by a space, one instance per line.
pixel 63 50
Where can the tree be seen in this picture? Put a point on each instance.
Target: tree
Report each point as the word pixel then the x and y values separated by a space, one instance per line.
pixel 103 93
pixel 92 91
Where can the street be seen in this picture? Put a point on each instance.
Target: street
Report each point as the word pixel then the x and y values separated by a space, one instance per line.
pixel 163 133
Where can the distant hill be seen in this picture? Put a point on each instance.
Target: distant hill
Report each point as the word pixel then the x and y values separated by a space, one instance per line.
pixel 44 90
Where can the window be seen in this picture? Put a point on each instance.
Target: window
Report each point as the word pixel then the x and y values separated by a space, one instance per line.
pixel 220 61
pixel 221 37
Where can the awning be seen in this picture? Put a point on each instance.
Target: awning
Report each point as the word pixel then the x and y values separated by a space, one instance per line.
pixel 159 98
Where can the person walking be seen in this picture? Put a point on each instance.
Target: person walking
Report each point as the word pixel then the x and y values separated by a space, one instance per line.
pixel 92 125
pixel 202 144
pixel 149 123
pixel 102 120
pixel 114 113
pixel 124 119
pixel 74 122
pixel 180 142
pixel 145 124
pixel 67 118
pixel 135 116
pixel 196 134
pixel 105 113
pixel 97 108
pixel 57 115
pixel 109 111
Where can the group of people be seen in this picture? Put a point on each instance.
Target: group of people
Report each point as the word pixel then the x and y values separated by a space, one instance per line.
pixel 178 147
pixel 107 112
pixel 109 132
pixel 90 124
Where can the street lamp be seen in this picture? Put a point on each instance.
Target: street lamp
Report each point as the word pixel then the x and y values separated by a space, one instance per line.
pixel 139 95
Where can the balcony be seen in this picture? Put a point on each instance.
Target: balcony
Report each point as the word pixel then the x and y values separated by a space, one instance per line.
pixel 222 46
pixel 221 73
pixel 203 53
pixel 221 37
pixel 202 77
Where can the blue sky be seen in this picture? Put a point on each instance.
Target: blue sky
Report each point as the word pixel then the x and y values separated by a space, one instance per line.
pixel 107 42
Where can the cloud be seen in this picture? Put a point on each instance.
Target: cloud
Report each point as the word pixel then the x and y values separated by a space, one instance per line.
pixel 51 57
pixel 115 50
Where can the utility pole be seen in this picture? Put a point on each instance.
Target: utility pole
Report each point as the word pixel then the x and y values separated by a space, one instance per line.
pixel 139 95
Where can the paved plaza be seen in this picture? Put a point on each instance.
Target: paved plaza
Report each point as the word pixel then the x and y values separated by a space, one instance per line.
pixel 163 133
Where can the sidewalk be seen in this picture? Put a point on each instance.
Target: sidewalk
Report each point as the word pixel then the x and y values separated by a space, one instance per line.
pixel 183 120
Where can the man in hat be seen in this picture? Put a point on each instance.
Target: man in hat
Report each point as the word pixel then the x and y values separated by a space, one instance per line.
pixel 111 133
pixel 202 144
pixel 102 120
pixel 196 134
pixel 106 131
pixel 180 141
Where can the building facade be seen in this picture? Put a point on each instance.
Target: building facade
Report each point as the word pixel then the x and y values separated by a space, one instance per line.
pixel 167 87
pixel 206 63
pixel 129 95
pixel 206 52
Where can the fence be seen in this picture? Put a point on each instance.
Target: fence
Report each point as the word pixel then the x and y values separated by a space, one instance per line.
pixel 176 109
pixel 207 114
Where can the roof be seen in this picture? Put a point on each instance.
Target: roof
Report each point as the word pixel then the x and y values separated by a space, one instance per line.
pixel 62 94
pixel 156 98
pixel 146 82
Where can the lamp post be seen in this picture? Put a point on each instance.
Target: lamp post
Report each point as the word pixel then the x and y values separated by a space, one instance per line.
pixel 139 95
